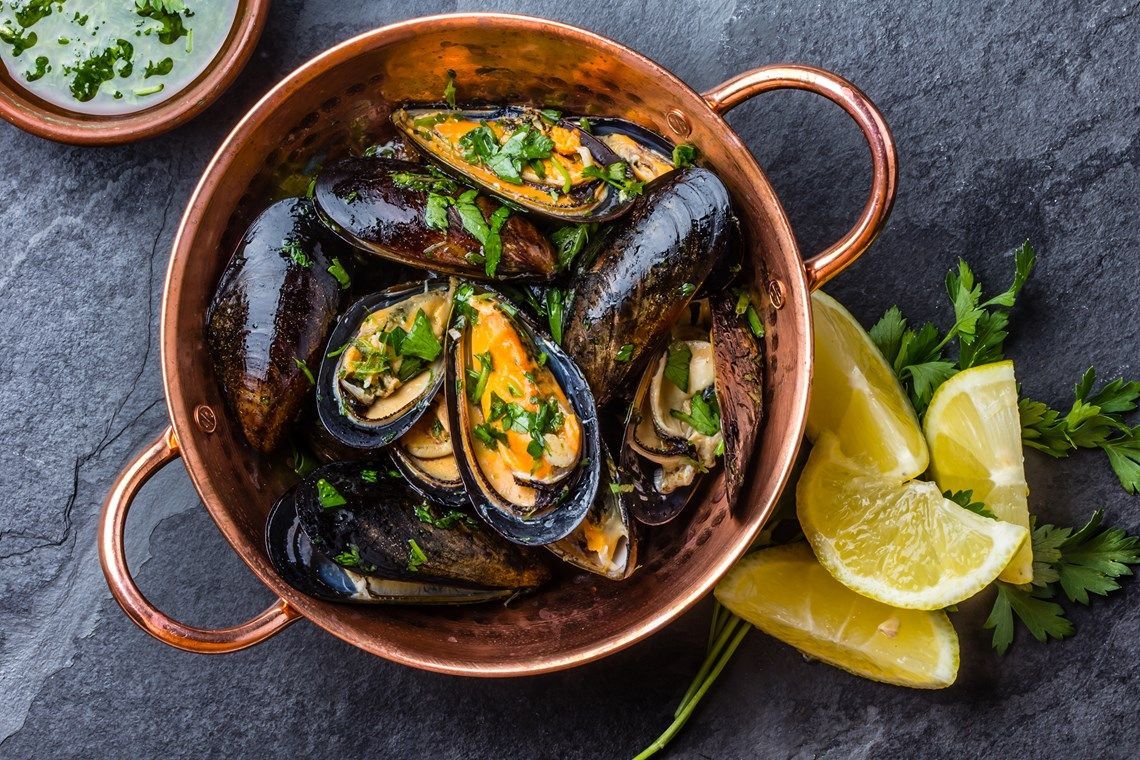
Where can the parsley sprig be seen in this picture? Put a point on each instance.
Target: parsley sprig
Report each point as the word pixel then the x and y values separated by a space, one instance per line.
pixel 1087 561
pixel 1094 421
pixel 919 356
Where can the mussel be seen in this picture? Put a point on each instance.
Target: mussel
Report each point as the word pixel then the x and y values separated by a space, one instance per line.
pixel 647 153
pixel 310 570
pixel 426 457
pixel 384 363
pixel 532 158
pixel 269 317
pixel 523 421
pixel 636 287
pixel 605 543
pixel 698 401
pixel 367 520
pixel 406 213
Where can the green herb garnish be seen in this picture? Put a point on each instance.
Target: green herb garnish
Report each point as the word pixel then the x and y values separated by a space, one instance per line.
pixel 292 247
pixel 447 521
pixel 684 155
pixel 614 175
pixel 328 496
pixel 625 353
pixel 338 271
pixel 570 240
pixel 369 476
pixel 416 556
pixel 677 360
pixel 421 340
pixel 304 367
pixel 703 415
pixel 475 391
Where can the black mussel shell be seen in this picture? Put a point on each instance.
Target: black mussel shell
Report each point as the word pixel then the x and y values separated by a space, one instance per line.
pixel 269 317
pixel 339 412
pixel 364 516
pixel 379 205
pixel 739 354
pixel 592 201
pixel 632 293
pixel 311 571
pixel 561 506
pixel 605 543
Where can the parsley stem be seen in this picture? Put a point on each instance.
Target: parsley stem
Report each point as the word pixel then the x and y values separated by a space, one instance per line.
pixel 729 623
pixel 721 659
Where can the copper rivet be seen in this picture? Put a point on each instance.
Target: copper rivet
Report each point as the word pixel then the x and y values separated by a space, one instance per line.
pixel 679 123
pixel 776 293
pixel 205 418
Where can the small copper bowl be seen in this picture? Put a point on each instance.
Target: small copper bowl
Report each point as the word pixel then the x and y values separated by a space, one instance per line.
pixel 43 119
pixel 348 92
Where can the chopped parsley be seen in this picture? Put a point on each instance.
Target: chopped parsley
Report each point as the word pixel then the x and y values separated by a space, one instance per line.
pixel 677 360
pixel 475 391
pixel 489 436
pixel 447 521
pixel 351 558
pixel 449 90
pixel 337 271
pixel 369 476
pixel 683 155
pixel 614 175
pixel 688 289
pixel 328 496
pixel 292 248
pixel 703 415
pixel 484 230
pixel 506 160
pixel 621 488
pixel 421 341
pixel 625 353
pixel 555 306
pixel 416 556
pixel 570 240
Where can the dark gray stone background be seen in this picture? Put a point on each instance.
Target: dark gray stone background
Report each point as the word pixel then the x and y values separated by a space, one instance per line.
pixel 1013 121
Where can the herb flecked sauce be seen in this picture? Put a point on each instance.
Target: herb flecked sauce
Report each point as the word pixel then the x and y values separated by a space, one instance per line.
pixel 110 56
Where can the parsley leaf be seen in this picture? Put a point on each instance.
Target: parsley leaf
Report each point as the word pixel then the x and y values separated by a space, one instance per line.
pixel 421 340
pixel 446 522
pixel 338 271
pixel 1124 456
pixel 570 240
pixel 555 305
pixel 614 175
pixel 351 558
pixel 887 333
pixel 965 499
pixel 489 435
pixel 703 415
pixel 677 359
pixel 475 391
pixel 483 230
pixel 625 353
pixel 308 373
pixel 1044 619
pixel 416 556
pixel 683 155
pixel 328 496
pixel 449 90
pixel 293 248
pixel 368 476
pixel 435 214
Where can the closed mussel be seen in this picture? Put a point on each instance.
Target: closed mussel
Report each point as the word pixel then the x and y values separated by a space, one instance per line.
pixel 529 157
pixel 410 214
pixel 311 571
pixel 627 299
pixel 523 422
pixel 272 309
pixel 365 518
pixel 384 364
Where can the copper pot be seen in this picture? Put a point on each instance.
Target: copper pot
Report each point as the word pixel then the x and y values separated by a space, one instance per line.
pixel 349 90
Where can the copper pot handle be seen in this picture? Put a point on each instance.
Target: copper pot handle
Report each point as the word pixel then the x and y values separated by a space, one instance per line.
pixel 113 558
pixel 884 160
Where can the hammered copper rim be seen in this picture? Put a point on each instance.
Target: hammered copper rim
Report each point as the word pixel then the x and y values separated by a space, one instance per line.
pixel 412 639
pixel 52 122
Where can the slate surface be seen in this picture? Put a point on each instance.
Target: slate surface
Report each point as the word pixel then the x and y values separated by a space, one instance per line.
pixel 1013 120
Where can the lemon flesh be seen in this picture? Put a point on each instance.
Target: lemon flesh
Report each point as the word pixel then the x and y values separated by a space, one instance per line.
pixel 786 593
pixel 900 542
pixel 856 395
pixel 974 432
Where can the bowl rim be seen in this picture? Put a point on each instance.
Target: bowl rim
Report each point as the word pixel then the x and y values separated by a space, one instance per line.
pixel 796 310
pixel 24 111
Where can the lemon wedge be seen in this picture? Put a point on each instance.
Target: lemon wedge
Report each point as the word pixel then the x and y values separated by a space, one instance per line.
pixel 786 593
pixel 974 431
pixel 856 396
pixel 899 542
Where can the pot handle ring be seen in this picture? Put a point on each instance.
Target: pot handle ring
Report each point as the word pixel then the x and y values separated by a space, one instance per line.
pixel 884 159
pixel 113 558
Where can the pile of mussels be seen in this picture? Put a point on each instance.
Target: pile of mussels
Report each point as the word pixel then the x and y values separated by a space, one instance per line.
pixel 461 441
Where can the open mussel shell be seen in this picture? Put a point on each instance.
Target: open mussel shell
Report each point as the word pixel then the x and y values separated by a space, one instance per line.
pixel 511 389
pixel 369 418
pixel 266 325
pixel 739 356
pixel 311 571
pixel 605 543
pixel 380 205
pixel 364 516
pixel 648 154
pixel 426 457
pixel 628 298
pixel 438 131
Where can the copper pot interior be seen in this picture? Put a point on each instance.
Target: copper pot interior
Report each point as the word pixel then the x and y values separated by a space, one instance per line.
pixel 341 102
